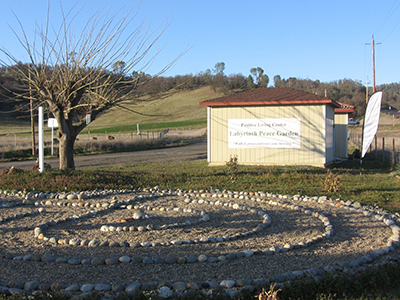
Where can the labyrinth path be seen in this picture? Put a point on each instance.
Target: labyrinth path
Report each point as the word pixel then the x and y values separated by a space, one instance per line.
pixel 153 235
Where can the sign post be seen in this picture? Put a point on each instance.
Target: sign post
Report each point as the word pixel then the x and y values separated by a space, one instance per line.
pixel 41 142
pixel 52 122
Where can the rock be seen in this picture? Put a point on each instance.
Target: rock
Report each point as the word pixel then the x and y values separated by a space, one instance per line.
pixel 15 291
pixel 165 292
pixel 227 283
pixel 101 287
pixel 171 259
pixel 75 242
pixel 243 282
pixel 104 244
pixel 138 214
pixel 31 285
pixel 233 294
pixel 231 256
pixel 159 260
pixel 202 258
pixel 278 278
pixel 181 260
pixel 132 288
pixel 94 243
pixel 57 286
pixel 124 259
pixel 72 288
pixel 87 287
pixel 27 257
pixel 97 261
pixel 179 286
pixel 148 260
pixel 46 258
pixel 112 261
pixel 191 259
pixel 74 261
pixel 124 244
pixel 192 286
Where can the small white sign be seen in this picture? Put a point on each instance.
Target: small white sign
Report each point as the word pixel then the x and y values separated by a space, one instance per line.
pixel 88 119
pixel 264 133
pixel 52 122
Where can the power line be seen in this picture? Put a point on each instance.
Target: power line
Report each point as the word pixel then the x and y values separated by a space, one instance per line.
pixel 388 15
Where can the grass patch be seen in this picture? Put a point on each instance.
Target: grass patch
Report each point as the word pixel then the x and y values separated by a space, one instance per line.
pixel 149 127
pixel 375 187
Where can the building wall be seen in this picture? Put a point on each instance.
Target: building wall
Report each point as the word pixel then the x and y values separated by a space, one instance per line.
pixel 329 134
pixel 312 149
pixel 341 135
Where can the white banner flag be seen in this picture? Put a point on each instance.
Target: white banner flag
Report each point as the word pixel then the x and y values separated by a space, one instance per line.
pixel 371 120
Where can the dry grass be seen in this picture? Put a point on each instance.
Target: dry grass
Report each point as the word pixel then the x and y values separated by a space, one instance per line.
pixel 388 127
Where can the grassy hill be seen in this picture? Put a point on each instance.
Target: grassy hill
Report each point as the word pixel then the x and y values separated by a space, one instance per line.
pixel 169 108
pixel 181 106
pixel 178 107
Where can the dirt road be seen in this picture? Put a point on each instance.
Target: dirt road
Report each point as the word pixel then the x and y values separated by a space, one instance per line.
pixel 191 152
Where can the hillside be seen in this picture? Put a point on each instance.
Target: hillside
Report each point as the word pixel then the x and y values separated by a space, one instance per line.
pixel 181 106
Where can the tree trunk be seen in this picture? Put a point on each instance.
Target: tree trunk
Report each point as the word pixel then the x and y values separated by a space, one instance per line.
pixel 66 152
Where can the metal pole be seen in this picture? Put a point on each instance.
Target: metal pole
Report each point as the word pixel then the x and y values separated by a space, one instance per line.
pixel 52 140
pixel 41 142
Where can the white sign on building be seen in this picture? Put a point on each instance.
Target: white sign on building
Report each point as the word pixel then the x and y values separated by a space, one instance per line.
pixel 264 133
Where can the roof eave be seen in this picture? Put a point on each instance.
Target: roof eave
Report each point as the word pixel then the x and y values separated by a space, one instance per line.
pixel 269 103
pixel 344 110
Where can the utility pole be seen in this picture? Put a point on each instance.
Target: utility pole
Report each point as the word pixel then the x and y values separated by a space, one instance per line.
pixel 373 63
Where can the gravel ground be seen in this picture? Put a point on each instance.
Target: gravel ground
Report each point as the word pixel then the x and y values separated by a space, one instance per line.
pixel 355 235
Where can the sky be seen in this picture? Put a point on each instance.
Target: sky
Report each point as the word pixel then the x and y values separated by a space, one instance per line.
pixel 311 39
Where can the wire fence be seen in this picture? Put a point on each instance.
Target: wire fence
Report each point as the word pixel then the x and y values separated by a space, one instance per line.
pixel 21 141
pixel 384 149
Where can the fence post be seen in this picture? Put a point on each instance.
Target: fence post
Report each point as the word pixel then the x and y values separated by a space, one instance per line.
pixel 376 147
pixel 383 150
pixel 15 141
pixel 394 153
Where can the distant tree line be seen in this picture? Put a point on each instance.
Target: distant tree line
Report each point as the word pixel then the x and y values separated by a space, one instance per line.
pixel 13 94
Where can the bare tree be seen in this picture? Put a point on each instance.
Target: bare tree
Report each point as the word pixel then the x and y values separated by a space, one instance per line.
pixel 75 74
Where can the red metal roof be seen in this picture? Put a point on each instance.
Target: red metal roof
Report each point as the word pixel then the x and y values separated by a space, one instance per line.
pixel 270 96
pixel 344 108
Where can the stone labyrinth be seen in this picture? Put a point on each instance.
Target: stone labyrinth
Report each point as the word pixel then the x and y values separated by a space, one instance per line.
pixel 110 241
